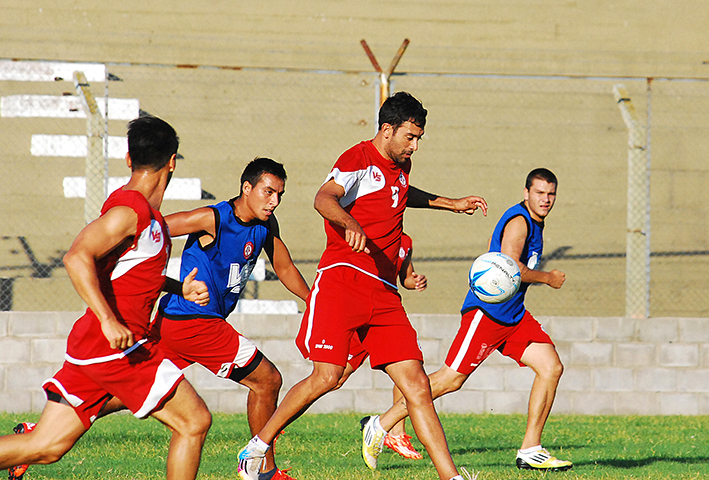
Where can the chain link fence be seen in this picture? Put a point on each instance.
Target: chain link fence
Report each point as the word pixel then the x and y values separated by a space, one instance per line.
pixel 484 134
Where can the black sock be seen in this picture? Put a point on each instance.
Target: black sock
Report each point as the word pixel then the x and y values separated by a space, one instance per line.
pixel 267 475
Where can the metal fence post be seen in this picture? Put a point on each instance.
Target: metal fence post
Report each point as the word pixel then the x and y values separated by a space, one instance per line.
pixel 637 282
pixel 95 164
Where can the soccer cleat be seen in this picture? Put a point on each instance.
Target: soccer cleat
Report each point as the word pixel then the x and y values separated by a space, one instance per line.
pixel 249 463
pixel 372 441
pixel 282 475
pixel 402 445
pixel 16 472
pixel 541 460
pixel 467 475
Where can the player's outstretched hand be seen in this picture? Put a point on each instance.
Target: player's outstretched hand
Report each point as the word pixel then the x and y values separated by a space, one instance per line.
pixel 195 290
pixel 468 205
pixel 557 278
pixel 118 335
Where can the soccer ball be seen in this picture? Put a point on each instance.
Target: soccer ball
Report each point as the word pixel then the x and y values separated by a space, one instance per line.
pixel 494 277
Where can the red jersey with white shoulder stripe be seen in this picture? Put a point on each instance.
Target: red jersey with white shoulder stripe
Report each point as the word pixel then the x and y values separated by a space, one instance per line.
pixel 130 279
pixel 376 190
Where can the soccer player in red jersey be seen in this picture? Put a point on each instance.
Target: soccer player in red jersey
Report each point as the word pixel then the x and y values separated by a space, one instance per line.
pixel 354 293
pixel 117 265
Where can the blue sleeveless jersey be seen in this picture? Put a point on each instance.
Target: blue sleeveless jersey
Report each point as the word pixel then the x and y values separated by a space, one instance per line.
pixel 511 311
pixel 224 265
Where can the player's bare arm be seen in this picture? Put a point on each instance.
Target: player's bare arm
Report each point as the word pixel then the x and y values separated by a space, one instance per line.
pixel 115 229
pixel 190 289
pixel 282 262
pixel 513 240
pixel 327 203
pixel 195 221
pixel 419 199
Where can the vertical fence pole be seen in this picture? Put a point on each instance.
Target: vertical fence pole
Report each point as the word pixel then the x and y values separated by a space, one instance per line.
pixel 384 90
pixel 637 285
pixel 95 163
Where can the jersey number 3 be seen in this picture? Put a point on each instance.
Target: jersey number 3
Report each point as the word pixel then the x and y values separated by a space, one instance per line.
pixel 395 196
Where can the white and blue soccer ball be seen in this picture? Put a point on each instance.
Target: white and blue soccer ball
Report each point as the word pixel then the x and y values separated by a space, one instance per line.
pixel 494 277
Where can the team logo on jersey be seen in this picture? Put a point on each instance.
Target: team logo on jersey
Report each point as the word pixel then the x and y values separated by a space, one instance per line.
pixel 402 253
pixel 248 250
pixel 155 232
pixel 402 179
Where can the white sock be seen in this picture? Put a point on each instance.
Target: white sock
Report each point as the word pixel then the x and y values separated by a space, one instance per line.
pixel 377 425
pixel 531 449
pixel 259 445
pixel 458 477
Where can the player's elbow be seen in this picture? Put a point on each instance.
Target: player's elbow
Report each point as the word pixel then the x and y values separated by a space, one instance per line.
pixel 318 203
pixel 70 261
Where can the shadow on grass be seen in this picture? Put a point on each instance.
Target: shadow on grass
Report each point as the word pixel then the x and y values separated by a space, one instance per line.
pixel 473 450
pixel 643 462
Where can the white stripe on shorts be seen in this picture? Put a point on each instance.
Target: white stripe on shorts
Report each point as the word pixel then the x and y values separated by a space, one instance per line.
pixel 311 309
pixel 246 351
pixel 166 376
pixel 73 400
pixel 107 358
pixel 466 342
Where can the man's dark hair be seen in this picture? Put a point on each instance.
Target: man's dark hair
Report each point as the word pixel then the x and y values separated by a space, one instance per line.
pixel 402 107
pixel 258 167
pixel 151 143
pixel 541 174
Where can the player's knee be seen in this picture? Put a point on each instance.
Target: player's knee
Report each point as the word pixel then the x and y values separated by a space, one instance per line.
pixel 47 453
pixel 417 391
pixel 325 380
pixel 275 380
pixel 552 371
pixel 198 424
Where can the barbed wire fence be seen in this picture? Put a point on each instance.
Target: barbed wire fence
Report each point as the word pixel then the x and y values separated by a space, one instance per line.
pixel 484 134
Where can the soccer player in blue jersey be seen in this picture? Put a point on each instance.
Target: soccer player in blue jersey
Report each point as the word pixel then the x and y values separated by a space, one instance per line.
pixel 224 243
pixel 228 240
pixel 508 327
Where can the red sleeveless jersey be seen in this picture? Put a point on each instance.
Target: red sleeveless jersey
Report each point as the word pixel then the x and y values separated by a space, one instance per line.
pixel 131 280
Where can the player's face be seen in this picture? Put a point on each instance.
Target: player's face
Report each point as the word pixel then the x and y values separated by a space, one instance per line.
pixel 403 142
pixel 265 196
pixel 540 198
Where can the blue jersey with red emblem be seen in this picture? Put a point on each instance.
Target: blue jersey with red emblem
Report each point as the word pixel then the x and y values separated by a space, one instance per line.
pixel 224 265
pixel 511 311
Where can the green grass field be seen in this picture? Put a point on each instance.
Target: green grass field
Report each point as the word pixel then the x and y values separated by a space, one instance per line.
pixel 327 447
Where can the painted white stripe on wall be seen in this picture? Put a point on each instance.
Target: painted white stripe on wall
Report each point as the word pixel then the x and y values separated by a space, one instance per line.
pixel 179 188
pixel 271 307
pixel 28 71
pixel 73 146
pixel 53 106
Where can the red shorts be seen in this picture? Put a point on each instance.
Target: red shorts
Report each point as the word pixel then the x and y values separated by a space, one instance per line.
pixel 143 380
pixel 211 342
pixel 344 302
pixel 479 336
pixel 357 355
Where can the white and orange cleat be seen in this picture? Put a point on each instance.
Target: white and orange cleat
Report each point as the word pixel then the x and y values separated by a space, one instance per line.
pixel 401 444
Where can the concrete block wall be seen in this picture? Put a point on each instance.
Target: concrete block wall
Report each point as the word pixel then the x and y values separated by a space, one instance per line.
pixel 613 366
